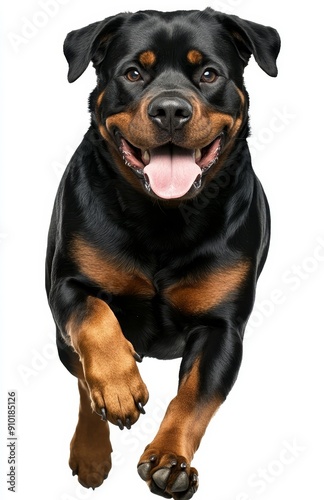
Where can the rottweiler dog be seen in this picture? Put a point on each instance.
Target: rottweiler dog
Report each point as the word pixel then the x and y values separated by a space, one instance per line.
pixel 159 231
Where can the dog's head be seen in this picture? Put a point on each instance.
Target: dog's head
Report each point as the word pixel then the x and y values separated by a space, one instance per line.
pixel 170 99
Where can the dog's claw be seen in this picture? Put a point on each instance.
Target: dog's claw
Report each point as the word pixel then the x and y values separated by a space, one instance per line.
pixel 74 473
pixel 120 424
pixel 138 357
pixel 128 424
pixel 103 414
pixel 140 408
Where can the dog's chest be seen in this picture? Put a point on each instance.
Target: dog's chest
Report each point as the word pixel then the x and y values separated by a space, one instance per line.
pixel 191 294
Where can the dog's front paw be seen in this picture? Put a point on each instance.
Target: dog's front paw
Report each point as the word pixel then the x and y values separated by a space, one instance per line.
pixel 168 475
pixel 117 391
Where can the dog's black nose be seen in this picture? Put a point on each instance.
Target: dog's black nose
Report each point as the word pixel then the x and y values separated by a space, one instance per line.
pixel 170 113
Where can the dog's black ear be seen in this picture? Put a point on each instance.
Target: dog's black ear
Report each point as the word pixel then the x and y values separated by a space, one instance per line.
pixel 89 44
pixel 252 38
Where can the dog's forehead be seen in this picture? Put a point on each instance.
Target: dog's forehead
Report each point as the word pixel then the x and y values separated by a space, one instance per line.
pixel 173 35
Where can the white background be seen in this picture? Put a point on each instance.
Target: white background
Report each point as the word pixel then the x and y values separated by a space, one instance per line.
pixel 267 440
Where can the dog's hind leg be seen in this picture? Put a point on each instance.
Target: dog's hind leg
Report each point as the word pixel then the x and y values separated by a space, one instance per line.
pixel 90 449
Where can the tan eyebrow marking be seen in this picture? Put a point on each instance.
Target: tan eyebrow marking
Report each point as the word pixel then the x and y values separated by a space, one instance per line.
pixel 194 57
pixel 147 58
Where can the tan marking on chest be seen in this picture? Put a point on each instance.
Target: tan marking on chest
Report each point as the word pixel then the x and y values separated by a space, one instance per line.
pixel 195 296
pixel 112 276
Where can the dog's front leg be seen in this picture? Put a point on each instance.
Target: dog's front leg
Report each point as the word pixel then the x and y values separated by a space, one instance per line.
pixel 109 380
pixel 208 371
pixel 116 389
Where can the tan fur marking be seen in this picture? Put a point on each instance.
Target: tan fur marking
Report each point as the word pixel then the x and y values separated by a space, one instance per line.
pixel 194 57
pixel 193 296
pixel 221 120
pixel 125 170
pixel 103 131
pixel 90 449
pixel 205 125
pixel 110 275
pixel 121 120
pixel 100 98
pixel 238 122
pixel 187 418
pixel 135 126
pixel 236 127
pixel 240 93
pixel 108 363
pixel 185 421
pixel 147 58
pixel 98 326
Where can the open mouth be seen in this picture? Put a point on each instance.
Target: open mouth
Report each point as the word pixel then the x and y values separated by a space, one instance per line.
pixel 171 171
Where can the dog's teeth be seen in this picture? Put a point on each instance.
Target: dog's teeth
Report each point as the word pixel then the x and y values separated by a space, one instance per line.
pixel 146 157
pixel 197 183
pixel 147 183
pixel 197 154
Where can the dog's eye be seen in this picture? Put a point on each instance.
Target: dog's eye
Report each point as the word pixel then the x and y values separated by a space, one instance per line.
pixel 209 76
pixel 133 75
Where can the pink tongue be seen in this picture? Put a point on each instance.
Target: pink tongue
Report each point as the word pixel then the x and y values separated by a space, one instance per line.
pixel 171 171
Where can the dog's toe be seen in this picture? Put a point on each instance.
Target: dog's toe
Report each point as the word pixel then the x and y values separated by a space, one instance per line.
pixel 168 475
pixel 144 471
pixel 181 483
pixel 161 476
